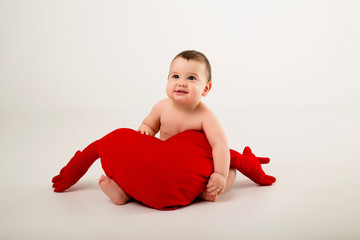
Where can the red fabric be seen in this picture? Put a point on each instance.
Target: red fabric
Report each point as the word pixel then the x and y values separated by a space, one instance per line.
pixel 161 174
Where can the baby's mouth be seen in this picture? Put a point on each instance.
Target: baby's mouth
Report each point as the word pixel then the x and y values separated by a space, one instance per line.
pixel 181 92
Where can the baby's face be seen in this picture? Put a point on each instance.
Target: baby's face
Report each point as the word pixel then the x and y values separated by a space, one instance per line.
pixel 187 81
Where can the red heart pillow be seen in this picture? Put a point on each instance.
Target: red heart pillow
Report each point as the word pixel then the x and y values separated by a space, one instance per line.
pixel 161 174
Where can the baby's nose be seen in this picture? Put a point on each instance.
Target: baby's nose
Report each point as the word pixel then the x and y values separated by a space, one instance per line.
pixel 182 82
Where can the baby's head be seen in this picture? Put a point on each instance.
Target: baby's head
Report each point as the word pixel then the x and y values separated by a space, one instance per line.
pixel 196 56
pixel 189 78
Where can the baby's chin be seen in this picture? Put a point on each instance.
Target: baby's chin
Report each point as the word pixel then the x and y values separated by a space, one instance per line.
pixel 187 102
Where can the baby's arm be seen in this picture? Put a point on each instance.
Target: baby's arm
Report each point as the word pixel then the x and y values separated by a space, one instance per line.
pixel 151 124
pixel 221 154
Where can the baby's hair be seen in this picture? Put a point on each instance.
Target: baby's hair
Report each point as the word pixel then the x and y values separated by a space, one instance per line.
pixel 197 56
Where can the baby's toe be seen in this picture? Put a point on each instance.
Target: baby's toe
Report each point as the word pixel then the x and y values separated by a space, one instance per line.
pixel 103 179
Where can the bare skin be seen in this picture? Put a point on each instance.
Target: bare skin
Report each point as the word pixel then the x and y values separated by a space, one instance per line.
pixel 113 190
pixel 181 111
pixel 229 182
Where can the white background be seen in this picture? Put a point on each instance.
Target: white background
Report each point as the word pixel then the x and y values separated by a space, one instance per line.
pixel 285 82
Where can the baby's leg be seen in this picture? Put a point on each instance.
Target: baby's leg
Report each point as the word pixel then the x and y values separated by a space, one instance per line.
pixel 113 190
pixel 231 178
pixel 229 182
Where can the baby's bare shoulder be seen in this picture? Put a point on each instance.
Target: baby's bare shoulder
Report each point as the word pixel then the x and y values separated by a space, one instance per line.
pixel 160 105
pixel 163 102
pixel 205 111
pixel 208 117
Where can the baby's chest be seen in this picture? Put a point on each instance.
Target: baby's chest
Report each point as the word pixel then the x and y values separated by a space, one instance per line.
pixel 175 123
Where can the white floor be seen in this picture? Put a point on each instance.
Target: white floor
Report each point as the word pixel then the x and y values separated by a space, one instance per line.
pixel 314 154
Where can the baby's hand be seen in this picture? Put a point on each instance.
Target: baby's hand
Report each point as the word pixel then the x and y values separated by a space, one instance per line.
pixel 216 184
pixel 143 131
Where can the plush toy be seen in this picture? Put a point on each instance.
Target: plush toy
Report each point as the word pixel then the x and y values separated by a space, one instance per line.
pixel 161 174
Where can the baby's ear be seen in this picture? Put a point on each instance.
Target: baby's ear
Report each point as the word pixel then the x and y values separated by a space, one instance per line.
pixel 207 89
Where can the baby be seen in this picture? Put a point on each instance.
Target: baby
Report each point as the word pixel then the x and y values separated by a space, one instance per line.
pixel 189 79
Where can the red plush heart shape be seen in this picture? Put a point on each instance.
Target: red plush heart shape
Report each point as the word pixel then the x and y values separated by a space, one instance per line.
pixel 162 174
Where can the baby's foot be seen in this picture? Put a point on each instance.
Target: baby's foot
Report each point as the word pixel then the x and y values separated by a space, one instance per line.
pixel 113 191
pixel 207 197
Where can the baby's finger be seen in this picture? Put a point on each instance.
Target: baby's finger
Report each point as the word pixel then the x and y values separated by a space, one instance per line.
pixel 215 192
pixel 211 189
pixel 210 184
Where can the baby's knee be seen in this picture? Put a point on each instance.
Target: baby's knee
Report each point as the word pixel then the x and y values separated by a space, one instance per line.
pixel 232 175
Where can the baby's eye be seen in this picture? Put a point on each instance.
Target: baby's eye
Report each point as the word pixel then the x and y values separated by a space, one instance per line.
pixel 192 78
pixel 175 76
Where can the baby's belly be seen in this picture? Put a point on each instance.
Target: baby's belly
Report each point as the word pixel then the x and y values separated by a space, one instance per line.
pixel 168 134
pixel 165 135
